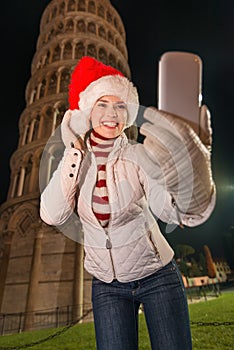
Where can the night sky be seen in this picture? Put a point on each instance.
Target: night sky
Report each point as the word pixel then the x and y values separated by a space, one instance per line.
pixel 204 27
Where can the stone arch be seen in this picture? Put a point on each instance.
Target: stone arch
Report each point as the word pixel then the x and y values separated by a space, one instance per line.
pixel 69 27
pixel 109 17
pixel 116 23
pixel 60 28
pixel 28 169
pixel 23 133
pixel 50 158
pixel 4 218
pixel 22 218
pixel 46 121
pixel 60 108
pixel 110 37
pixel 102 32
pixel 91 50
pixel 22 173
pixel 47 19
pixel 81 5
pixel 42 88
pixel 30 130
pixel 62 8
pixel 32 96
pixel 32 183
pixel 79 50
pixel 54 12
pixel 71 6
pixel 40 62
pixel 52 87
pixel 102 55
pixel 44 40
pixel 120 66
pixel 56 53
pixel 91 6
pixel 91 27
pixel 67 51
pixel 112 60
pixel 81 26
pixel 51 34
pixel 47 57
pixel 26 126
pixel 117 44
pixel 36 127
pixel 101 11
pixel 65 79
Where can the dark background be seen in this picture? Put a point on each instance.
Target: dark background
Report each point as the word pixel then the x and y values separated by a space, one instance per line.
pixel 152 27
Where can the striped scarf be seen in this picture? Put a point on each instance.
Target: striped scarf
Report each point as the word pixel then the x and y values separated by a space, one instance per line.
pixel 101 147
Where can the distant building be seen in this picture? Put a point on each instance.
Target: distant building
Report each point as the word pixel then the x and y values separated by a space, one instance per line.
pixel 223 270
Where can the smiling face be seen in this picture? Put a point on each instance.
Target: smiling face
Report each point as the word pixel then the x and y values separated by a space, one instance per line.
pixel 109 116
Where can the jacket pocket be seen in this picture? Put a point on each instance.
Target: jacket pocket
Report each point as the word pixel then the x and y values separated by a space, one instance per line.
pixel 153 244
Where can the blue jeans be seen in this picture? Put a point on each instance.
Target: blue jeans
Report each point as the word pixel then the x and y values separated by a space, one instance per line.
pixel 162 294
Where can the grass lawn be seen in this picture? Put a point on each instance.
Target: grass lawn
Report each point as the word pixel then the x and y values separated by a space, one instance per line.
pixel 217 310
pixel 81 337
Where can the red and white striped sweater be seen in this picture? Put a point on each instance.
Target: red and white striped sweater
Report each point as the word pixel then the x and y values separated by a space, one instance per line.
pixel 101 147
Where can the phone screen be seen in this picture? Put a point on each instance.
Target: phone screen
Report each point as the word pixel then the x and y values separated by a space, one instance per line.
pixel 179 86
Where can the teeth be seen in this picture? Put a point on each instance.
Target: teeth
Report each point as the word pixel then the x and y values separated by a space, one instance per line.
pixel 112 124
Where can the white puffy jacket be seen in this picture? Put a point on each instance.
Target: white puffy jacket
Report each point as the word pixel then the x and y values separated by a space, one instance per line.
pixel 132 247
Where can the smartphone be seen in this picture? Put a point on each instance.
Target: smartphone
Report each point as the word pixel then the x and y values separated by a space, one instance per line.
pixel 180 86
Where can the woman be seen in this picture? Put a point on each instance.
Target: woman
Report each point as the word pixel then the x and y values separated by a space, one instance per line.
pixel 114 185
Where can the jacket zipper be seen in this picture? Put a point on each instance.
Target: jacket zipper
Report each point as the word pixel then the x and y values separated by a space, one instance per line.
pixel 108 241
pixel 109 247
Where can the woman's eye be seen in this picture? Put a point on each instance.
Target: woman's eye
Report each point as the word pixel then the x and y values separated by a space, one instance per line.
pixel 101 105
pixel 121 106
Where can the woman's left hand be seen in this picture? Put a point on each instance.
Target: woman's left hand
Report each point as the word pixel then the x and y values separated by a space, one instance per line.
pixel 183 158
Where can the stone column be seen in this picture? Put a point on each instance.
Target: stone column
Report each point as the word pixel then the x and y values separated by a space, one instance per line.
pixel 21 181
pixel 31 130
pixel 32 295
pixel 40 128
pixel 33 183
pixel 24 138
pixel 13 183
pixel 78 283
pixel 7 238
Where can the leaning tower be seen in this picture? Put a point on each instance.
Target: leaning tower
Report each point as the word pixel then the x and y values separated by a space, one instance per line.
pixel 40 268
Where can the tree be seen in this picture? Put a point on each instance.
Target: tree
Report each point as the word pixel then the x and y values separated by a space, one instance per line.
pixel 183 250
pixel 211 271
pixel 194 269
pixel 184 268
pixel 202 264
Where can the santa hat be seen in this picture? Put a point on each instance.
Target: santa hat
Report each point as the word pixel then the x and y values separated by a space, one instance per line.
pixel 92 79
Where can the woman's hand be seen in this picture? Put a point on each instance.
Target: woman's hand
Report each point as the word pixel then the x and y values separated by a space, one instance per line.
pixel 72 127
pixel 183 157
pixel 79 144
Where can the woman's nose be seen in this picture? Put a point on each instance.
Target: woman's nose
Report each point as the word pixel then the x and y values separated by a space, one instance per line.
pixel 112 111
